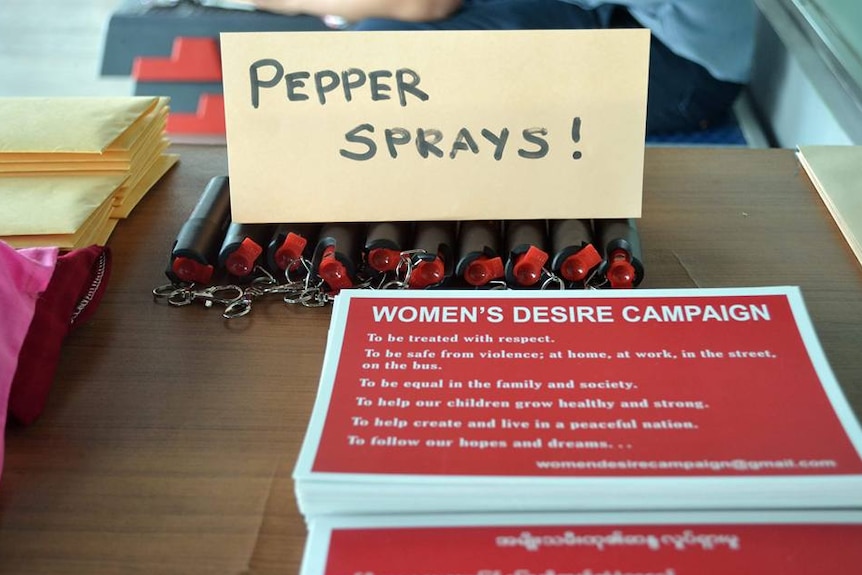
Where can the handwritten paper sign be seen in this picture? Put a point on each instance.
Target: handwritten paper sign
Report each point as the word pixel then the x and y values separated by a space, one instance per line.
pixel 393 126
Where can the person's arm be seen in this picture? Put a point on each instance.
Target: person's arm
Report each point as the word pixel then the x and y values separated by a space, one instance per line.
pixel 352 10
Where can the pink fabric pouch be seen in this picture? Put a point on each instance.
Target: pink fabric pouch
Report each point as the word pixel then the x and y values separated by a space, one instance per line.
pixel 72 296
pixel 25 274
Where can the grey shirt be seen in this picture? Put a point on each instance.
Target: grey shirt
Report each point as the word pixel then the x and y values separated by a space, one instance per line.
pixel 717 34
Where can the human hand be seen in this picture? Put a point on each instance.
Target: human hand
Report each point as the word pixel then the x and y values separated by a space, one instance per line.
pixel 289 7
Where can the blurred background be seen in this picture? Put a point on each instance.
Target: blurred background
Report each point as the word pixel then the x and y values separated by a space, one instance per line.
pixel 806 88
pixel 54 48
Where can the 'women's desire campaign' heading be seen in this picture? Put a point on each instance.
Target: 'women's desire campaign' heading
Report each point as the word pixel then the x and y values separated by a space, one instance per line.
pixel 573 313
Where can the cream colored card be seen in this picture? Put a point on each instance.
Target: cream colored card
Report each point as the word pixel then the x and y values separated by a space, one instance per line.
pixel 386 126
pixel 836 172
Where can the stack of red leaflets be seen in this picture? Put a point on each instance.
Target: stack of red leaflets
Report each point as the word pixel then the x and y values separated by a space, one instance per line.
pixel 456 401
pixel 712 543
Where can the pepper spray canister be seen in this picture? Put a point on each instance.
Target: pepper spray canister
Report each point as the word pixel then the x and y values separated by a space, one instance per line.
pixel 434 256
pixel 290 246
pixel 620 245
pixel 384 244
pixel 479 260
pixel 527 254
pixel 194 253
pixel 242 247
pixel 574 257
pixel 337 254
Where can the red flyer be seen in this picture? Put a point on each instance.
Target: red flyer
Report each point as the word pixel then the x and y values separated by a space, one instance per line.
pixel 680 397
pixel 653 544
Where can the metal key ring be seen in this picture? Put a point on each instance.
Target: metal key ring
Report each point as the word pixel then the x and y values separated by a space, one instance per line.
pixel 222 295
pixel 164 292
pixel 553 279
pixel 237 308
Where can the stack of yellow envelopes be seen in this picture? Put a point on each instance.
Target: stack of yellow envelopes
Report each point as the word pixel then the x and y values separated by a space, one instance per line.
pixel 70 168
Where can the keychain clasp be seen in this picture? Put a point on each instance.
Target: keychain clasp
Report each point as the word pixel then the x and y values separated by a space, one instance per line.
pixel 181 295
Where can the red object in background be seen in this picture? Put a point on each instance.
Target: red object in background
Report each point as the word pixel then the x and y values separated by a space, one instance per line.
pixel 209 118
pixel 191 60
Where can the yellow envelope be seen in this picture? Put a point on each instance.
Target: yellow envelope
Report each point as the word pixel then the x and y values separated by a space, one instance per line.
pixel 95 230
pixel 131 192
pixel 70 167
pixel 55 210
pixel 34 137
pixel 84 127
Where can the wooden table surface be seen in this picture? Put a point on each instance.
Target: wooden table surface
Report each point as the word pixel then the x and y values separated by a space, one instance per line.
pixel 170 435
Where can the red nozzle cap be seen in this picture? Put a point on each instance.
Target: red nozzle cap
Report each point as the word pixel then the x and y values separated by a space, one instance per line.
pixel 290 251
pixel 333 272
pixel 576 267
pixel 528 266
pixel 482 270
pixel 621 273
pixel 241 261
pixel 427 273
pixel 384 259
pixel 188 270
